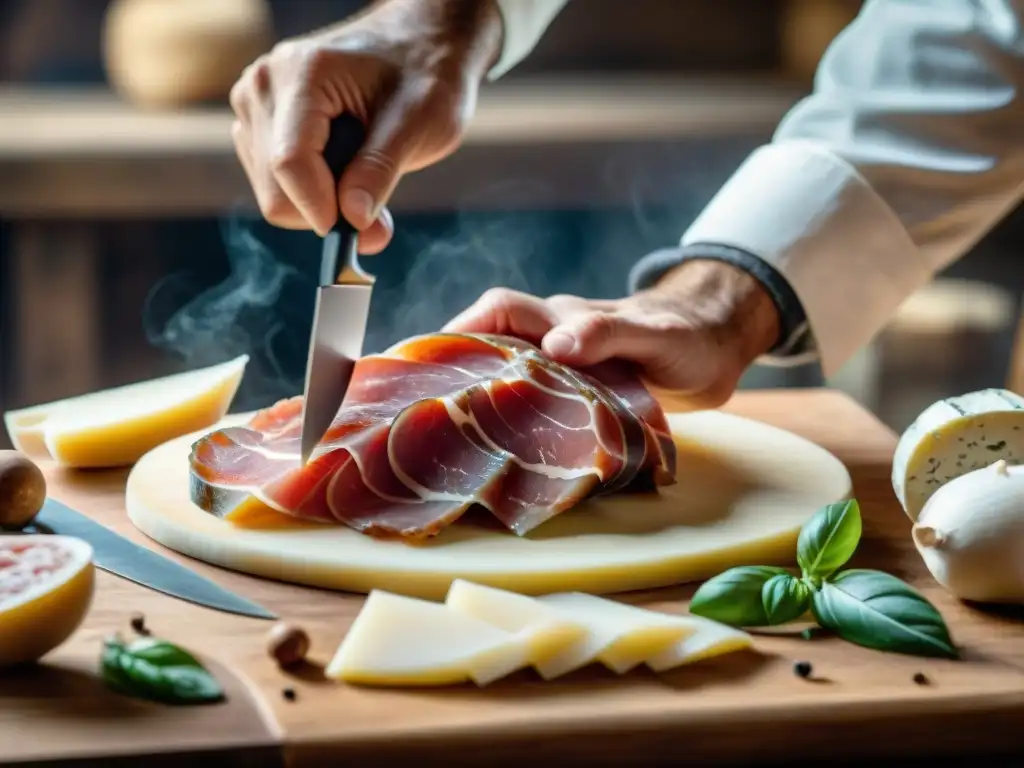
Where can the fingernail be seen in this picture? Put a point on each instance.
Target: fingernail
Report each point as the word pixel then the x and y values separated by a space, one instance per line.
pixel 358 204
pixel 559 344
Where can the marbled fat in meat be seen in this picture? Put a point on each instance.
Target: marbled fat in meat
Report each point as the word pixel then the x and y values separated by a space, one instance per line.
pixel 441 423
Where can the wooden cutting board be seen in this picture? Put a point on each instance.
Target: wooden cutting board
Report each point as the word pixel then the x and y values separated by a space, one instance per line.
pixel 740 707
pixel 743 491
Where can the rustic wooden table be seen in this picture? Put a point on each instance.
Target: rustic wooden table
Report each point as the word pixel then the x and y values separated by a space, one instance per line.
pixel 741 707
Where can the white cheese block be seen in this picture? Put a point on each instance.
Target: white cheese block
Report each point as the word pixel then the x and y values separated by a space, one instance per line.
pixel 710 639
pixel 552 639
pixel 953 437
pixel 971 535
pixel 116 427
pixel 621 636
pixel 406 641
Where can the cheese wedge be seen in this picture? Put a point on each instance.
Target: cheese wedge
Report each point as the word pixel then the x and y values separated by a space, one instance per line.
pixel 953 437
pixel 621 636
pixel 710 639
pixel 405 641
pixel 116 427
pixel 551 639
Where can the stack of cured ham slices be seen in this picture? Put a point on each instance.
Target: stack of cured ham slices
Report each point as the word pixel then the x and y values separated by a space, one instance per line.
pixel 438 425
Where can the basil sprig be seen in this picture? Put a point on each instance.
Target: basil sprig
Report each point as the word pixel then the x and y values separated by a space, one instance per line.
pixel 869 608
pixel 154 669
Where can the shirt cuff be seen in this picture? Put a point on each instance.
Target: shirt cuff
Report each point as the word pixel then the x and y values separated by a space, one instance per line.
pixel 810 216
pixel 793 346
pixel 525 22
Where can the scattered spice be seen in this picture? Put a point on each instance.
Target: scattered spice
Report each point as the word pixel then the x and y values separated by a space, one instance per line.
pixel 289 694
pixel 921 679
pixel 803 669
pixel 287 644
pixel 139 625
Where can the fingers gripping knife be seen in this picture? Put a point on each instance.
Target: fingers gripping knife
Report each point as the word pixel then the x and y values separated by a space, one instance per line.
pixel 342 303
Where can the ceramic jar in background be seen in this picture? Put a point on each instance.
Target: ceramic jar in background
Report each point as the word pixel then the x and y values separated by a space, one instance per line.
pixel 171 53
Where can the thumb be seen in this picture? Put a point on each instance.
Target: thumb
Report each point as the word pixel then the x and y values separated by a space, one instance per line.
pixel 367 183
pixel 592 337
pixel 672 354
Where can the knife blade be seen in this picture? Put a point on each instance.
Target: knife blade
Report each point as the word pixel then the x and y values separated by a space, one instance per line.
pixel 117 555
pixel 342 303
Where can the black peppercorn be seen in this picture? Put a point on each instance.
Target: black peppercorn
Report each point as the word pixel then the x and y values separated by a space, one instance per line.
pixel 921 679
pixel 803 669
pixel 289 694
pixel 139 624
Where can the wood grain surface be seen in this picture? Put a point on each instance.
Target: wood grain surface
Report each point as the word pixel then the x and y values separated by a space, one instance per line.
pixel 741 707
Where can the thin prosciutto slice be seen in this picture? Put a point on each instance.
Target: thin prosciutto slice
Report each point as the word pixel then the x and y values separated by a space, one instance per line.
pixel 437 425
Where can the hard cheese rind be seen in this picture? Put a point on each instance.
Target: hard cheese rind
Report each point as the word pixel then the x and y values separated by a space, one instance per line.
pixel 550 637
pixel 116 427
pixel 953 437
pixel 406 641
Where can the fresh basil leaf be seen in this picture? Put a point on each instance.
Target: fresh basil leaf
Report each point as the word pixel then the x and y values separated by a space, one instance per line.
pixel 734 597
pixel 829 539
pixel 877 610
pixel 785 598
pixel 161 653
pixel 155 669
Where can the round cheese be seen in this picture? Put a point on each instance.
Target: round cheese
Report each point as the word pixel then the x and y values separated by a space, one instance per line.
pixel 953 437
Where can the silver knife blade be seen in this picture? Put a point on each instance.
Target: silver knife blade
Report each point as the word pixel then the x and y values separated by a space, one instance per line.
pixel 339 328
pixel 342 302
pixel 117 555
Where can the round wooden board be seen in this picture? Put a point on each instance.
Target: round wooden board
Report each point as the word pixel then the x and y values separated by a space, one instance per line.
pixel 744 491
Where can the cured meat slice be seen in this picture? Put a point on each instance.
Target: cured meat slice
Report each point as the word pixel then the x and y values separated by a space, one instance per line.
pixel 439 424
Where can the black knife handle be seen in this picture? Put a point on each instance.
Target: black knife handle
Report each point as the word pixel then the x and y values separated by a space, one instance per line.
pixel 347 136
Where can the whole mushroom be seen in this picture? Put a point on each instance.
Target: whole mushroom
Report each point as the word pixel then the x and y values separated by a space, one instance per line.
pixel 22 490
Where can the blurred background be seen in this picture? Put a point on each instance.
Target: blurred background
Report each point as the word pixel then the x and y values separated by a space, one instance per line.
pixel 130 246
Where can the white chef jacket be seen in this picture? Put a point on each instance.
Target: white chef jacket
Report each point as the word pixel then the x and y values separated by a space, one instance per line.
pixel 909 149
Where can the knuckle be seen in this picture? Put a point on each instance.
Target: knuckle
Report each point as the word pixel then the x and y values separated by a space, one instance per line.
pixel 598 325
pixel 499 297
pixel 284 160
pixel 237 96
pixel 276 207
pixel 260 77
pixel 666 322
pixel 378 162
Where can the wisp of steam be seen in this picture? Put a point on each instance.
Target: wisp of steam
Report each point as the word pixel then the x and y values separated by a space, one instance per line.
pixel 240 315
pixel 264 306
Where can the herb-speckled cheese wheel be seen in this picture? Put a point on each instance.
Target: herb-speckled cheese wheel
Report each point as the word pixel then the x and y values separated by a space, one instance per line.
pixel 953 437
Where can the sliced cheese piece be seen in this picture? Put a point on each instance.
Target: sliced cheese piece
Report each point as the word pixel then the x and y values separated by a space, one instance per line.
pixel 953 437
pixel 552 638
pixel 405 641
pixel 621 636
pixel 710 639
pixel 116 427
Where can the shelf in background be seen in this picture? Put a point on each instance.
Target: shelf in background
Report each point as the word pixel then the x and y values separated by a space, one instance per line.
pixel 67 153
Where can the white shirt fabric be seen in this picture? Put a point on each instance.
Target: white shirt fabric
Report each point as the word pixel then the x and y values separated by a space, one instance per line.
pixel 525 22
pixel 908 151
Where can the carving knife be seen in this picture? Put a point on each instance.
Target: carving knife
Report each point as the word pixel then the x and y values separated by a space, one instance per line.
pixel 342 303
pixel 117 555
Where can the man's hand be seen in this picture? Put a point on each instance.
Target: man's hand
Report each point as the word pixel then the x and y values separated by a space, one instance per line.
pixel 695 332
pixel 410 69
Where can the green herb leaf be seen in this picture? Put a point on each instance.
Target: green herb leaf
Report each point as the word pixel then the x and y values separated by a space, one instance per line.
pixel 829 539
pixel 785 598
pixel 158 670
pixel 877 610
pixel 734 597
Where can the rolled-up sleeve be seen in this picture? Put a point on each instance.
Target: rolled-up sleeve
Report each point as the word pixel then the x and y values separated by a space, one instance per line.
pixel 525 22
pixel 907 152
